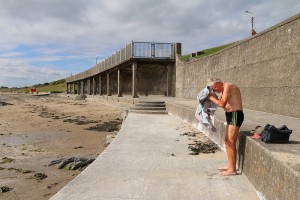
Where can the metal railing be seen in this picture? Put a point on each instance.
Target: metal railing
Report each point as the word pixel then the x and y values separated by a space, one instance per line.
pixel 137 50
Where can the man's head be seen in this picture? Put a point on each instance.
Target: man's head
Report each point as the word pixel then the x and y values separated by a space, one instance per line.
pixel 216 84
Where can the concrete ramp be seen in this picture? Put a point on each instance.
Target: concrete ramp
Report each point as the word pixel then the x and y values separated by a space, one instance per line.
pixel 149 159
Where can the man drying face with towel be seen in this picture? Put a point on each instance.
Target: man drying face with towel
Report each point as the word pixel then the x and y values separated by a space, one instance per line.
pixel 231 101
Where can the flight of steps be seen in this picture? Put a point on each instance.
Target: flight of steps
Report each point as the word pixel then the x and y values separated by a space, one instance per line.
pixel 149 107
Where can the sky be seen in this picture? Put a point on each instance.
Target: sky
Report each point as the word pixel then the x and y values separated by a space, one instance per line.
pixel 47 40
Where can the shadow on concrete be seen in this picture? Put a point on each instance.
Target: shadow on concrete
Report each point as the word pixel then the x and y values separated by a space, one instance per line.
pixel 241 149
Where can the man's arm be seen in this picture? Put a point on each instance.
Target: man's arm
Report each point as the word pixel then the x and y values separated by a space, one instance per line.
pixel 223 101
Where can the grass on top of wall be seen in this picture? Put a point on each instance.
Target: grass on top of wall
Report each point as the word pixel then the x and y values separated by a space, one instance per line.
pixel 205 52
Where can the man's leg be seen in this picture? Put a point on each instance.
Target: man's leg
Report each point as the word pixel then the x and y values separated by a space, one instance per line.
pixel 230 141
pixel 224 168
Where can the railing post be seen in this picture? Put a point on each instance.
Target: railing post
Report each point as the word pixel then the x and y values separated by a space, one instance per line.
pixel 152 50
pixel 132 49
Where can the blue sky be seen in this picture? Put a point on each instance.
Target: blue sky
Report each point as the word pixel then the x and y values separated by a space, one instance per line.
pixel 47 40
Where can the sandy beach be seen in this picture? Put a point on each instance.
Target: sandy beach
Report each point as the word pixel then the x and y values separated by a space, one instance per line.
pixel 36 130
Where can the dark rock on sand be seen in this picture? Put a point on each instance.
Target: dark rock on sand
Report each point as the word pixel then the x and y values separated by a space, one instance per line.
pixel 72 163
pixel 40 176
pixel 5 104
pixel 4 189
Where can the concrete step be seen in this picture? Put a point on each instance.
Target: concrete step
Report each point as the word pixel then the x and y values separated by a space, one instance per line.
pixel 149 107
pixel 148 111
pixel 151 104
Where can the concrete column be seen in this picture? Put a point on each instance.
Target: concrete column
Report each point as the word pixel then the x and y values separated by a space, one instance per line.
pixel 89 86
pixel 108 84
pixel 67 88
pixel 100 85
pixel 94 85
pixel 119 83
pixel 82 87
pixel 75 88
pixel 134 80
pixel 71 88
pixel 169 79
pixel 78 88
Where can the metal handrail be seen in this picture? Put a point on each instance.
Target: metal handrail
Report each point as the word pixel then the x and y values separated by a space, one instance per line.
pixel 136 50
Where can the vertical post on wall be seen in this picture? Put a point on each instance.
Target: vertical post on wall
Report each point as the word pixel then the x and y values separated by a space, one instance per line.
pixel 134 80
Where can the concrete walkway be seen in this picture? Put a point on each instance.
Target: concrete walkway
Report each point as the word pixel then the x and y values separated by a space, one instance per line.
pixel 149 159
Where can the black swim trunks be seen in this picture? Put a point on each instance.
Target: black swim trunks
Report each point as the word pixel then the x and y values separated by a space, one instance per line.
pixel 235 118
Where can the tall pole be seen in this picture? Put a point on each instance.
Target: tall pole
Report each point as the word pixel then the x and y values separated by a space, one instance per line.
pixel 253 32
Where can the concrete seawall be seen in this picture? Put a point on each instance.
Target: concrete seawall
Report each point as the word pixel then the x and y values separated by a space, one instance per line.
pixel 266 67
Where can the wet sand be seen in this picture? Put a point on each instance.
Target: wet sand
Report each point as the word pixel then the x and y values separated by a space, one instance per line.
pixel 36 130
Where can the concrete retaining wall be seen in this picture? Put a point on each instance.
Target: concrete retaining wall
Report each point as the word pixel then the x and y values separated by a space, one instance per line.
pixel 266 67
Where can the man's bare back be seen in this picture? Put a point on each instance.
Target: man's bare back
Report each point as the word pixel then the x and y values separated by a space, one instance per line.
pixel 234 101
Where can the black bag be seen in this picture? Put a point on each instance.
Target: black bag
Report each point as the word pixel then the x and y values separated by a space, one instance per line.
pixel 271 134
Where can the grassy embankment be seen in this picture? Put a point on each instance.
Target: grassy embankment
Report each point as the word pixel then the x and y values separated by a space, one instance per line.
pixel 53 87
pixel 59 85
pixel 206 52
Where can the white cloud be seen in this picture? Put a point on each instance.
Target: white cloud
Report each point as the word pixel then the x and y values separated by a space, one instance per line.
pixel 63 30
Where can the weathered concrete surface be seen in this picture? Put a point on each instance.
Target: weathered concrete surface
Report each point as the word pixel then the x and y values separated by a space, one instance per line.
pixel 138 164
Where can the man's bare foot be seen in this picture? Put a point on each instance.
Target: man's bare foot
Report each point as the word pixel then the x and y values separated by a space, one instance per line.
pixel 227 173
pixel 225 168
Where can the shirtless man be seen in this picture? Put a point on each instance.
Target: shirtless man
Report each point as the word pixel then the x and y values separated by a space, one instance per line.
pixel 231 101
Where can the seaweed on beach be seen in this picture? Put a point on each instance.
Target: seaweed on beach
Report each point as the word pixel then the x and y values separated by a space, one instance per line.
pixel 6 160
pixel 106 126
pixel 203 147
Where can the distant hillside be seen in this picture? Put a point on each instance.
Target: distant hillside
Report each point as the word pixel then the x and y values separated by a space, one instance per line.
pixel 53 87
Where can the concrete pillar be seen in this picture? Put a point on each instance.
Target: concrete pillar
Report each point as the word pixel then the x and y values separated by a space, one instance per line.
pixel 71 85
pixel 108 84
pixel 78 88
pixel 94 85
pixel 169 79
pixel 82 87
pixel 119 83
pixel 67 88
pixel 134 80
pixel 100 85
pixel 89 86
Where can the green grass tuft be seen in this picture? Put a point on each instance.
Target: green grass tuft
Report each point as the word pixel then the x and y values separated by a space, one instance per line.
pixel 206 52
